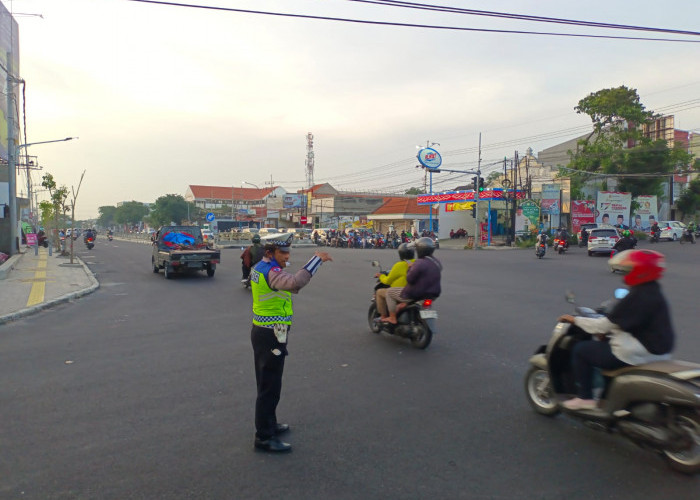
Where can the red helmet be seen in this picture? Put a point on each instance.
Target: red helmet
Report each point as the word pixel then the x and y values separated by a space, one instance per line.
pixel 639 266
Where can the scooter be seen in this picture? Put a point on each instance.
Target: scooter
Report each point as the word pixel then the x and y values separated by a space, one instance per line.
pixel 687 236
pixel 109 237
pixel 540 250
pixel 560 245
pixel 655 405
pixel 655 236
pixel 90 242
pixel 416 322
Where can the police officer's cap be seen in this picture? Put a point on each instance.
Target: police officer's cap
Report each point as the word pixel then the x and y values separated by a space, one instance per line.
pixel 282 241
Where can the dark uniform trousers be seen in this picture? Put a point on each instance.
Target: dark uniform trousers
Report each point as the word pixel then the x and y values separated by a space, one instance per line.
pixel 269 366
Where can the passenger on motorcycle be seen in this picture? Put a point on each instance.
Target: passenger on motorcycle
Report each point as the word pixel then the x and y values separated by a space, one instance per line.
pixel 624 243
pixel 251 256
pixel 396 278
pixel 638 330
pixel 422 279
pixel 541 238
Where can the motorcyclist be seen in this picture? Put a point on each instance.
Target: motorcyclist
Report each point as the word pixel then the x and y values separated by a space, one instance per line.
pixel 541 239
pixel 422 279
pixel 251 256
pixel 584 236
pixel 90 233
pixel 624 243
pixel 655 229
pixel 396 278
pixel 639 326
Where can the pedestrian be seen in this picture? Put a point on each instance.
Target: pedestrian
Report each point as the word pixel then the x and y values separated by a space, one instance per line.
pixel 272 289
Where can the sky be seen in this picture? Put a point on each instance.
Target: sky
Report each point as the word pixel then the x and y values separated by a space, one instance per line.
pixel 162 97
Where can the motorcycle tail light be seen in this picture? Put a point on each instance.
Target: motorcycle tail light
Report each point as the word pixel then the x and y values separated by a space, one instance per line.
pixel 427 303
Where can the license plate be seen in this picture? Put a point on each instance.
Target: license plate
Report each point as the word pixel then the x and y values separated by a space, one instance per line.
pixel 428 314
pixel 198 265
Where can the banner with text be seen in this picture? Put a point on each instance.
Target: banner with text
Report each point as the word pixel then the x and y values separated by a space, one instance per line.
pixel 582 212
pixel 550 199
pixel 646 213
pixel 613 208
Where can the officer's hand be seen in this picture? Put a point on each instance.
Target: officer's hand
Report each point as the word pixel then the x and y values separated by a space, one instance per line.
pixel 323 256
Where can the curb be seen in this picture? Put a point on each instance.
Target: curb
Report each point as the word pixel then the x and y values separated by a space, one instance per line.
pixel 28 311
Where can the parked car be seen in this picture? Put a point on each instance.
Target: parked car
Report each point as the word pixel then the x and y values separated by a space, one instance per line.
pixel 671 229
pixel 602 239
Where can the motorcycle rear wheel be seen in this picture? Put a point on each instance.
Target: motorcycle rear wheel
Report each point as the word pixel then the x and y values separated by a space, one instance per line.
pixel 540 394
pixel 423 337
pixel 688 461
pixel 373 313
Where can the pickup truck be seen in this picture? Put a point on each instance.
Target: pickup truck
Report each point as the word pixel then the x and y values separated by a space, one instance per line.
pixel 181 248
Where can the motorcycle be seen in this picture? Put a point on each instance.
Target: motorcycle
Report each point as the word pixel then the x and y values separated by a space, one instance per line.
pixel 90 242
pixel 109 237
pixel 687 236
pixel 416 322
pixel 655 405
pixel 540 250
pixel 560 245
pixel 655 237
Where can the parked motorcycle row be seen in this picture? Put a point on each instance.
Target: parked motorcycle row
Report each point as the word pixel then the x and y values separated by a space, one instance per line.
pixel 365 240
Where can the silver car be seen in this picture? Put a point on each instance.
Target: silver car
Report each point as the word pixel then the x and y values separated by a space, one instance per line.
pixel 671 229
pixel 602 240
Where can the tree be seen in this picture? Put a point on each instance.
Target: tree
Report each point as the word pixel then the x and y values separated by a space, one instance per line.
pixel 73 201
pixel 414 190
pixel 617 115
pixel 169 208
pixel 58 196
pixel 131 212
pixel 106 217
pixel 492 178
pixel 689 201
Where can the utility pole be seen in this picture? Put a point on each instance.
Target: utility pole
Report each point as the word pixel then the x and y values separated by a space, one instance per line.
pixel 477 241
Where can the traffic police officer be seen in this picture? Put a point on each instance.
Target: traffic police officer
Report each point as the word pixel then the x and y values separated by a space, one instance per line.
pixel 272 290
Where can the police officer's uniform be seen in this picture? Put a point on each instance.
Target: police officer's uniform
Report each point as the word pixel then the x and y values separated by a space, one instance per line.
pixel 272 289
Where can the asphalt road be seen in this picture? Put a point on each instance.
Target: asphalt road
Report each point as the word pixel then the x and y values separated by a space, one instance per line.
pixel 145 389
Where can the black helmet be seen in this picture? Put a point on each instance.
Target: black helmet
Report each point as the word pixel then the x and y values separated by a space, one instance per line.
pixel 424 247
pixel 405 252
pixel 256 238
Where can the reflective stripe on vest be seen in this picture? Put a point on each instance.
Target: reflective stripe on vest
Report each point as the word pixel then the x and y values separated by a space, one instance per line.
pixel 270 306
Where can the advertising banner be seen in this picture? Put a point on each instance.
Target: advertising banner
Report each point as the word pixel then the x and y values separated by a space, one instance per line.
pixel 646 214
pixel 613 208
pixel 526 217
pixel 582 212
pixel 550 199
pixel 294 201
pixel 455 207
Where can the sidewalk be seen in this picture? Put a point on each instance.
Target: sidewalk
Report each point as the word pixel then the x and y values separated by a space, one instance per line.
pixel 30 283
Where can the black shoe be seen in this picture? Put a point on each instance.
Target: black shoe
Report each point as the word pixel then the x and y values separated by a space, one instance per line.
pixel 281 429
pixel 272 444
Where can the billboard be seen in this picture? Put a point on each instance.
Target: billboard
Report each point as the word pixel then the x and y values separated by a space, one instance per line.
pixel 613 208
pixel 645 214
pixel 294 201
pixel 582 212
pixel 550 199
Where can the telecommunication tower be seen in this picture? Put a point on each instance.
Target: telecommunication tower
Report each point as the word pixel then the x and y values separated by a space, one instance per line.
pixel 309 160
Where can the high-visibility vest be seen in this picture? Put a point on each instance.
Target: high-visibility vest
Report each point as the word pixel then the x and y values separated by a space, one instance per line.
pixel 270 307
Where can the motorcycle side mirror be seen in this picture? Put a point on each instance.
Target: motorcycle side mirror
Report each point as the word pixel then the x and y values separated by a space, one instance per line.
pixel 570 297
pixel 621 293
pixel 375 263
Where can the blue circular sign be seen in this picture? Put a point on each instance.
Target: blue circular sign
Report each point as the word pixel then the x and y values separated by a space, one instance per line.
pixel 210 216
pixel 429 158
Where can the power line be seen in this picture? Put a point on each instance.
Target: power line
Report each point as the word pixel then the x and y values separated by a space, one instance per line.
pixel 522 17
pixel 408 25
